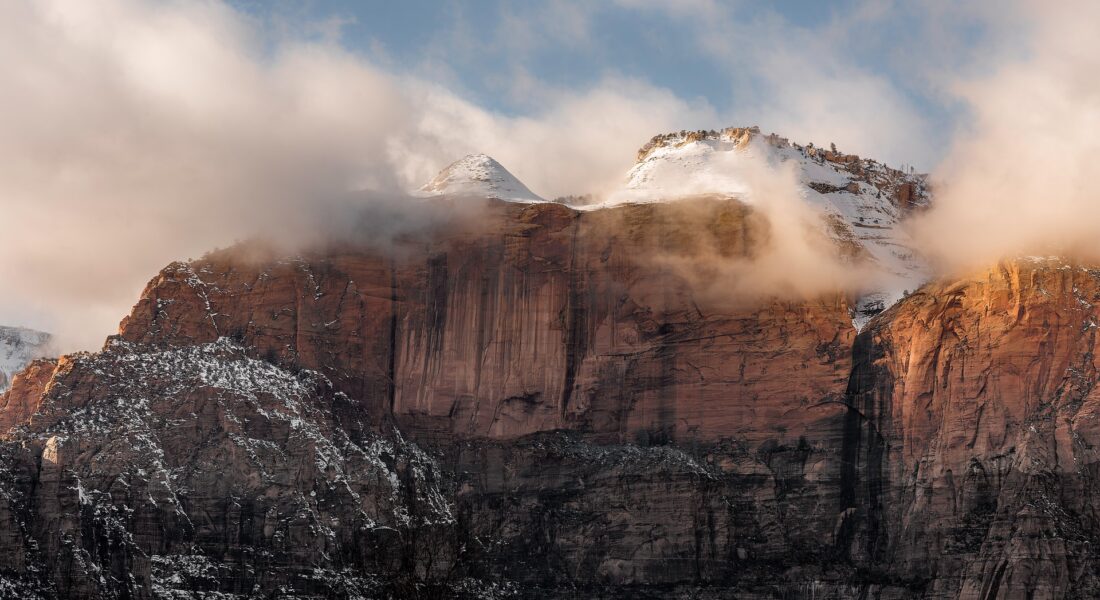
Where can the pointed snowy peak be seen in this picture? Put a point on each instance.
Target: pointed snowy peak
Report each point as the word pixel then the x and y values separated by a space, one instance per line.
pixel 479 175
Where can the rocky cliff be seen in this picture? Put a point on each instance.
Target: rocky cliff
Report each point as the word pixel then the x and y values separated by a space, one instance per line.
pixel 863 203
pixel 977 396
pixel 540 402
pixel 560 320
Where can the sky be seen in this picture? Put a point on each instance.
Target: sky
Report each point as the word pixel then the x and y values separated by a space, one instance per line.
pixel 807 69
pixel 137 132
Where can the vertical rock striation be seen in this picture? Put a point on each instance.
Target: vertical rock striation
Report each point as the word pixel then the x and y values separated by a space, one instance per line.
pixel 561 322
pixel 984 478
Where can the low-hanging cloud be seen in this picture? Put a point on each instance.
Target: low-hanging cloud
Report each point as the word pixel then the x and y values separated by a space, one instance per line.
pixel 789 254
pixel 1020 179
pixel 135 133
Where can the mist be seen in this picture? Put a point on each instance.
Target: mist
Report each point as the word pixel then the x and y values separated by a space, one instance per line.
pixel 1019 178
pixel 789 255
pixel 137 133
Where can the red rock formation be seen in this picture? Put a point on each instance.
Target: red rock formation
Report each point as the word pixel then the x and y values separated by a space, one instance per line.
pixel 982 392
pixel 27 388
pixel 596 423
pixel 553 324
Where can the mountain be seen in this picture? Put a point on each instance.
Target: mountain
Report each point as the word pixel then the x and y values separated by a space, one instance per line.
pixel 528 405
pixel 18 347
pixel 478 175
pixel 862 202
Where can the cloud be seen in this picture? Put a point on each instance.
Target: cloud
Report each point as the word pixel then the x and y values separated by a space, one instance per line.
pixel 135 133
pixel 584 142
pixel 811 83
pixel 789 257
pixel 1020 177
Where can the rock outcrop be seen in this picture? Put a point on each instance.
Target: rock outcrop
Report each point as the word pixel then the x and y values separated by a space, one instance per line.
pixel 863 203
pixel 199 470
pixel 27 389
pixel 544 402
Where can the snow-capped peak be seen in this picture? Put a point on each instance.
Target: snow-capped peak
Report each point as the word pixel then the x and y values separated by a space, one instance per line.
pixel 18 347
pixel 863 202
pixel 479 175
pixel 689 162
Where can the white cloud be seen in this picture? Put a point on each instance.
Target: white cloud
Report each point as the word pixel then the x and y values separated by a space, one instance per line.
pixel 1019 179
pixel 583 142
pixel 135 133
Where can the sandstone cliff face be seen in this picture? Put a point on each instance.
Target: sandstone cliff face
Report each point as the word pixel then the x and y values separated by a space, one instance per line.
pixel 978 396
pixel 555 324
pixel 25 395
pixel 545 406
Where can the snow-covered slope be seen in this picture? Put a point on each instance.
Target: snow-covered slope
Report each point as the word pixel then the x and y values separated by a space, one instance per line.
pixel 478 175
pixel 18 347
pixel 863 201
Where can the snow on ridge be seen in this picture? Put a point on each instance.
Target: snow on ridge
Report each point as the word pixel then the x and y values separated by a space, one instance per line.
pixel 862 201
pixel 265 410
pixel 479 175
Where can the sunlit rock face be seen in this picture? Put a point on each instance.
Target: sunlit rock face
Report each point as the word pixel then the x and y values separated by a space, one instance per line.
pixel 25 394
pixel 977 396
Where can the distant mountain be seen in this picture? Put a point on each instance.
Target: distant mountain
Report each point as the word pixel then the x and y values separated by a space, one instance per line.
pixel 479 175
pixel 18 347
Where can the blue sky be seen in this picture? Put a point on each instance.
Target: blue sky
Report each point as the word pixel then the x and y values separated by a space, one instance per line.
pixel 747 61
